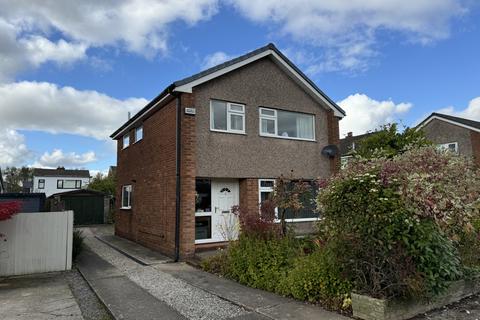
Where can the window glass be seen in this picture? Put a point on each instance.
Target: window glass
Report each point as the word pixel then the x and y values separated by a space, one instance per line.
pixel 126 140
pixel 203 227
pixel 287 124
pixel 219 113
pixel 78 184
pixel 139 133
pixel 69 184
pixel 227 116
pixel 59 184
pixel 203 196
pixel 452 146
pixel 41 183
pixel 126 196
pixel 268 126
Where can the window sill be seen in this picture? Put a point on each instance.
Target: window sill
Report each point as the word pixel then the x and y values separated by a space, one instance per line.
pixel 286 138
pixel 299 220
pixel 123 148
pixel 226 131
pixel 125 208
pixel 138 141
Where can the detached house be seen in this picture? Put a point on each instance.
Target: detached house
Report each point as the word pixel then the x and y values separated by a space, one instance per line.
pixel 218 139
pixel 456 134
pixel 52 181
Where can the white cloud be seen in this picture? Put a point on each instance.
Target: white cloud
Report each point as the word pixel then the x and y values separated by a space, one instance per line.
pixel 472 111
pixel 216 58
pixel 365 113
pixel 47 107
pixel 139 26
pixel 347 29
pixel 13 150
pixel 57 158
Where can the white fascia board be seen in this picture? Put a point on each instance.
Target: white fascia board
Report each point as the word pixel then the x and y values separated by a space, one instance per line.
pixel 448 121
pixel 187 88
pixel 121 133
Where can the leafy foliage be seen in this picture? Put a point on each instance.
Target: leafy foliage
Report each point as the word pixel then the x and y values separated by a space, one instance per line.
pixel 401 220
pixel 77 245
pixel 388 142
pixel 14 177
pixel 9 208
pixel 103 183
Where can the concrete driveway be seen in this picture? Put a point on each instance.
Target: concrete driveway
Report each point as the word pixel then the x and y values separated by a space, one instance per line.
pixel 37 297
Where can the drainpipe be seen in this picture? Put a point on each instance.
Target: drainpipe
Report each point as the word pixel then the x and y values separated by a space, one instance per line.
pixel 178 180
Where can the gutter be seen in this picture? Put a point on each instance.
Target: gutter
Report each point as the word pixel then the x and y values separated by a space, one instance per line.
pixel 178 180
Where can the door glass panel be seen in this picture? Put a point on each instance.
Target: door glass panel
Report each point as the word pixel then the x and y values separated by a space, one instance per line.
pixel 203 196
pixel 203 228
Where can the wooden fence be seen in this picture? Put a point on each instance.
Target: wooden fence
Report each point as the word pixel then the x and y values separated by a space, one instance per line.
pixel 36 242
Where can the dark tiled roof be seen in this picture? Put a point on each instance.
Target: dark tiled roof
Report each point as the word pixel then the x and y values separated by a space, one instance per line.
pixel 38 172
pixel 226 64
pixel 346 143
pixel 467 122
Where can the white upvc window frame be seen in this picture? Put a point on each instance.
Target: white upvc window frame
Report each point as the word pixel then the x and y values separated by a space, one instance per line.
pixel 136 133
pixel 129 197
pixel 275 119
pixel 229 113
pixel 126 137
pixel 272 189
pixel 445 146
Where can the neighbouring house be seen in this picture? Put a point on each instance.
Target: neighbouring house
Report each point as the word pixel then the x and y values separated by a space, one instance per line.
pixel 348 146
pixel 51 181
pixel 217 139
pixel 30 202
pixel 456 134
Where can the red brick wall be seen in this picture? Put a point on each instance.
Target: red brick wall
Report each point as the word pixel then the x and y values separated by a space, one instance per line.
pixel 150 167
pixel 334 138
pixel 249 199
pixel 475 137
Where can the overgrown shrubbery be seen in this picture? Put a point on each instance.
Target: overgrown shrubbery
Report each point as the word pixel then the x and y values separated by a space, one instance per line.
pixel 402 221
pixel 77 245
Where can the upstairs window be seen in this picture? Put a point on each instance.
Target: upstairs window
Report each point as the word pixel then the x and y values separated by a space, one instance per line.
pixel 451 146
pixel 286 124
pixel 69 184
pixel 138 133
pixel 126 140
pixel 126 197
pixel 227 117
pixel 41 183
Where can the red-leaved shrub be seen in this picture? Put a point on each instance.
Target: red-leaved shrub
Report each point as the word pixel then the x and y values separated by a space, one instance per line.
pixel 8 209
pixel 258 224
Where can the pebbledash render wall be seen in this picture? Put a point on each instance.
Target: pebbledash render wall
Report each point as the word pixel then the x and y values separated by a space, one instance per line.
pixel 440 132
pixel 149 165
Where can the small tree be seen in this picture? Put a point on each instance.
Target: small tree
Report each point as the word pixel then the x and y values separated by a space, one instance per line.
pixel 103 183
pixel 288 196
pixel 387 141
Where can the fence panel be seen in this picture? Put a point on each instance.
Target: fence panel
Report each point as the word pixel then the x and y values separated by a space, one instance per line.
pixel 36 242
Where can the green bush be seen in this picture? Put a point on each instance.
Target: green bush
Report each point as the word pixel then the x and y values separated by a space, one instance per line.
pixel 77 244
pixel 217 263
pixel 261 263
pixel 317 277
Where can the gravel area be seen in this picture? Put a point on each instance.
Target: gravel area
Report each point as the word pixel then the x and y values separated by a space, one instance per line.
pixel 191 302
pixel 467 309
pixel 90 306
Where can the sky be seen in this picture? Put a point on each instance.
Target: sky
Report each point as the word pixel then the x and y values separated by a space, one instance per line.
pixel 70 71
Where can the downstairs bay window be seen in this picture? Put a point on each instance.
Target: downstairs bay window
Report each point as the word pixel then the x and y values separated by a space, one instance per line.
pixel 266 188
pixel 287 124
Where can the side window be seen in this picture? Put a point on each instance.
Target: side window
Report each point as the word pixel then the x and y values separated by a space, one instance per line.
pixel 126 140
pixel 126 197
pixel 59 184
pixel 227 116
pixel 41 183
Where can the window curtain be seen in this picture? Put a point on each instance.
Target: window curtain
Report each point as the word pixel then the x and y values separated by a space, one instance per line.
pixel 304 127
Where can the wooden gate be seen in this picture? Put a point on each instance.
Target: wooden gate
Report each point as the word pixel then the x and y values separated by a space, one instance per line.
pixel 87 209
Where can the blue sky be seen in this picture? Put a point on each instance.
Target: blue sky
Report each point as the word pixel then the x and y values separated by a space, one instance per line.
pixel 69 74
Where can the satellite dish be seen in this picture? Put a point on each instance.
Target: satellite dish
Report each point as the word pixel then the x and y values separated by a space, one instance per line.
pixel 330 151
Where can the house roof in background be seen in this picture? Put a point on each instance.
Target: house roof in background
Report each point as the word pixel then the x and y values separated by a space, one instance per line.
pixel 346 143
pixel 466 123
pixel 60 172
pixel 186 84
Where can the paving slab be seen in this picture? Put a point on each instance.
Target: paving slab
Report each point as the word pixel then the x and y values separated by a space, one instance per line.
pixel 139 253
pixel 37 297
pixel 124 299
